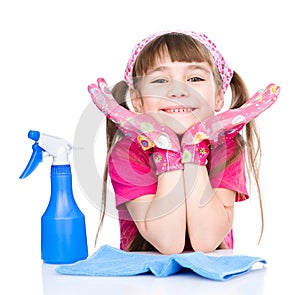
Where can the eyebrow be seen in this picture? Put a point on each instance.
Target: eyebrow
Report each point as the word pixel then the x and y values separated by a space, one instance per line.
pixel 189 67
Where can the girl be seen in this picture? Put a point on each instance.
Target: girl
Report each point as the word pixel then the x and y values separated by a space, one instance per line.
pixel 178 171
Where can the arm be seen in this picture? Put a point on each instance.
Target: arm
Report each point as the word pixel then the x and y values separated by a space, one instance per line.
pixel 209 211
pixel 191 202
pixel 161 218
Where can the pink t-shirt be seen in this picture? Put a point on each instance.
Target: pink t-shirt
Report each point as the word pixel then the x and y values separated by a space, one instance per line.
pixel 132 174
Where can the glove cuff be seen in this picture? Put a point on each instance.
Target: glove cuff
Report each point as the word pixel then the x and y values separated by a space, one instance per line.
pixel 196 153
pixel 166 160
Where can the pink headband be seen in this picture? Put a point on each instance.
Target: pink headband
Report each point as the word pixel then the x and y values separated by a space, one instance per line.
pixel 225 72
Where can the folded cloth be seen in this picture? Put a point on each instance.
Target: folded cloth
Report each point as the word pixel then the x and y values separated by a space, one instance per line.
pixel 109 261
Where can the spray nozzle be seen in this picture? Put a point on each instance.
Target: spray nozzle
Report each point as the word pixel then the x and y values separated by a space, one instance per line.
pixel 34 135
pixel 56 147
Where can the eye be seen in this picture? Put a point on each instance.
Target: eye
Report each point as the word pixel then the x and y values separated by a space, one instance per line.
pixel 195 79
pixel 160 81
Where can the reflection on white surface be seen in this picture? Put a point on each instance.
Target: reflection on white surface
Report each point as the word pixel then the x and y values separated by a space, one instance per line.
pixel 185 282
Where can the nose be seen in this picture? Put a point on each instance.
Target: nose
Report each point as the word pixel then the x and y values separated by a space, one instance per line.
pixel 177 89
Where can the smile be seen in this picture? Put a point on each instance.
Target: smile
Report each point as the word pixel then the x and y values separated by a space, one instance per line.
pixel 178 110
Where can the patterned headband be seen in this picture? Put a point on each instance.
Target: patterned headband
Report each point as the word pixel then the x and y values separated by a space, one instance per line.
pixel 225 72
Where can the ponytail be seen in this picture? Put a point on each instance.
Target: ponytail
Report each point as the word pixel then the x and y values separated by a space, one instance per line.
pixel 252 141
pixel 119 92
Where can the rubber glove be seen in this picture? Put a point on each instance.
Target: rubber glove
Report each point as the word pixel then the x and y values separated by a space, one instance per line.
pixel 140 128
pixel 224 126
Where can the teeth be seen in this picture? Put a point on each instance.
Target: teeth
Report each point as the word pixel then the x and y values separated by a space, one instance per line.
pixel 178 110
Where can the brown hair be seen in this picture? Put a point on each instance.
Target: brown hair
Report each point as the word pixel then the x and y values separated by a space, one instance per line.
pixel 183 48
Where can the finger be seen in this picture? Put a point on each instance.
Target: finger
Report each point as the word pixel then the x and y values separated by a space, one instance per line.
pixel 104 100
pixel 92 88
pixel 263 99
pixel 104 88
pixel 95 93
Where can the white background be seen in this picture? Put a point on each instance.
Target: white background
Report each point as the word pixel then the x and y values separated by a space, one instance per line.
pixel 51 50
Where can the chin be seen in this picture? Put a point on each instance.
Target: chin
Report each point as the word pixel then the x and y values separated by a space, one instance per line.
pixel 180 125
pixel 181 128
pixel 179 131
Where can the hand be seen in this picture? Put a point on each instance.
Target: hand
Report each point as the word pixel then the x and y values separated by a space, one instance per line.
pixel 226 125
pixel 140 128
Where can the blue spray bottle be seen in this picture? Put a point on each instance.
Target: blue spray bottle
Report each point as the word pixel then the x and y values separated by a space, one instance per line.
pixel 63 231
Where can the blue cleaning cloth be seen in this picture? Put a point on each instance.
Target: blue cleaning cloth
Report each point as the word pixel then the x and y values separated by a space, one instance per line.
pixel 109 261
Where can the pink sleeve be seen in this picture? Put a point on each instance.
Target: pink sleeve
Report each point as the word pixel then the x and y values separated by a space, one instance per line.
pixel 232 177
pixel 131 172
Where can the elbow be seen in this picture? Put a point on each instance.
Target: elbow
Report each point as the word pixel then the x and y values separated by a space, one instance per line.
pixel 205 245
pixel 203 248
pixel 170 247
pixel 168 244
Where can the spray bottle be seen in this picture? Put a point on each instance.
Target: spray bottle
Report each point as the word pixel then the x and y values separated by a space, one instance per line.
pixel 63 232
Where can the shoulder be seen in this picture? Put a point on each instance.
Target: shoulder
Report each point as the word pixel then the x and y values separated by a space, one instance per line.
pixel 230 151
pixel 126 145
pixel 131 171
pixel 126 154
pixel 227 169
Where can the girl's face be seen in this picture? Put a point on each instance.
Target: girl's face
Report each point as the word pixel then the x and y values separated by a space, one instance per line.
pixel 178 94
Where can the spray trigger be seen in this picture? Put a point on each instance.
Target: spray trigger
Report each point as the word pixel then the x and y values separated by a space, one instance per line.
pixel 36 156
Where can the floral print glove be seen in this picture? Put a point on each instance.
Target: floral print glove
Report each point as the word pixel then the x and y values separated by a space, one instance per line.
pixel 224 126
pixel 140 128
